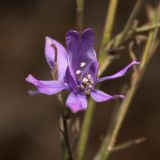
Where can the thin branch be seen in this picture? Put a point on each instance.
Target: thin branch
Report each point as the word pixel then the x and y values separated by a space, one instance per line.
pixel 66 137
pixel 131 34
pixel 120 39
pixel 80 14
pixel 146 28
pixel 110 18
pixel 128 144
pixel 109 22
pixel 85 130
pixel 130 21
pixel 91 107
pixel 111 137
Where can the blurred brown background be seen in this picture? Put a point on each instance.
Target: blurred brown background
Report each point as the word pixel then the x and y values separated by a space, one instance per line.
pixel 28 124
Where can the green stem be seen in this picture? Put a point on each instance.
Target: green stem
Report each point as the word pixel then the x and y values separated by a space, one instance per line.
pixel 110 139
pixel 65 133
pixel 105 61
pixel 128 144
pixel 80 14
pixel 91 107
pixel 129 24
pixel 110 18
pixel 66 138
pixel 109 22
pixel 147 28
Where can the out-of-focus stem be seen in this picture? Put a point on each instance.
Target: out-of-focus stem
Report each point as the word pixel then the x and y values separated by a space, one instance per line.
pixel 65 133
pixel 80 13
pixel 147 28
pixel 66 137
pixel 109 22
pixel 110 139
pixel 129 23
pixel 129 144
pixel 105 61
pixel 108 28
pixel 91 107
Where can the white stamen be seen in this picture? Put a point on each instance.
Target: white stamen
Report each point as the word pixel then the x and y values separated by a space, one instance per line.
pixel 87 91
pixel 82 64
pixel 85 80
pixel 90 86
pixel 88 76
pixel 78 72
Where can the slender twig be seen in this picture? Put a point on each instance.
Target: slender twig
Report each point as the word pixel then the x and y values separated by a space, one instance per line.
pixel 130 21
pixel 131 34
pixel 111 137
pixel 108 28
pixel 66 137
pixel 146 28
pixel 65 131
pixel 128 144
pixel 80 13
pixel 121 37
pixel 91 107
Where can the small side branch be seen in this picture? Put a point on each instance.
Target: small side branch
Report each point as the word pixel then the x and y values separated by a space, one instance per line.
pixel 128 144
pixel 130 21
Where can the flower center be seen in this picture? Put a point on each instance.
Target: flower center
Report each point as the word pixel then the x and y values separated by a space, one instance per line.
pixel 85 82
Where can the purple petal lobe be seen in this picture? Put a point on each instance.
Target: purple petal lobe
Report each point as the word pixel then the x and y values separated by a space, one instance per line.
pixel 61 56
pixel 81 51
pixel 72 43
pixel 100 96
pixel 46 87
pixel 76 102
pixel 70 79
pixel 87 53
pixel 118 74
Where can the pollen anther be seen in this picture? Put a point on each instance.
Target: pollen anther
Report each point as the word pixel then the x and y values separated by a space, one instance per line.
pixel 85 80
pixel 78 72
pixel 88 76
pixel 87 91
pixel 82 64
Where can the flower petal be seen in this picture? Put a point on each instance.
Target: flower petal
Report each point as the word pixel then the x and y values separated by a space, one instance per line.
pixel 73 44
pixel 118 74
pixel 46 87
pixel 76 102
pixel 100 96
pixel 61 56
pixel 70 79
pixel 87 53
pixel 81 50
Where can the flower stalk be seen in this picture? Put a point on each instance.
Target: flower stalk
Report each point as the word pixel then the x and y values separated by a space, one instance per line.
pixel 128 144
pixel 64 132
pixel 80 14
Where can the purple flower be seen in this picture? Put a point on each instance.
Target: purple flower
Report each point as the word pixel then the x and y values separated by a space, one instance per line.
pixel 77 70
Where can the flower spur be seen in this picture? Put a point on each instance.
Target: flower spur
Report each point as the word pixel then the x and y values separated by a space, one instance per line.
pixel 77 69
